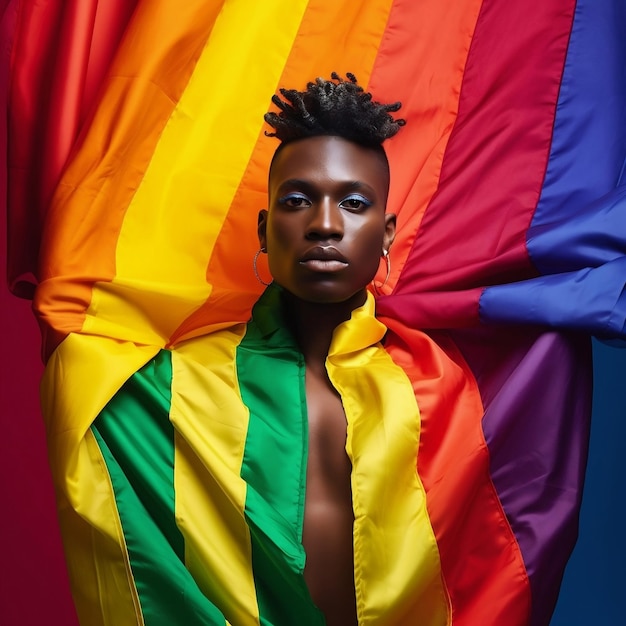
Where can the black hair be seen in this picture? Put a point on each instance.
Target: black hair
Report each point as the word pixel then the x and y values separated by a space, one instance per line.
pixel 333 107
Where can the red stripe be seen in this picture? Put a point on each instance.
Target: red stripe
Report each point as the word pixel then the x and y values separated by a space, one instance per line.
pixel 473 232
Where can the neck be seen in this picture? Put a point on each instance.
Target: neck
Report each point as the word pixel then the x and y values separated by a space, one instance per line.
pixel 313 324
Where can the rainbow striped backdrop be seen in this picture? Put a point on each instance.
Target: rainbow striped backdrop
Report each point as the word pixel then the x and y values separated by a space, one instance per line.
pixel 507 185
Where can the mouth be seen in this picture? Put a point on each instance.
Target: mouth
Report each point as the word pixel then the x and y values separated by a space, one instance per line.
pixel 324 259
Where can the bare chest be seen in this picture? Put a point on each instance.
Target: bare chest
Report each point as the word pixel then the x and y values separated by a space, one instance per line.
pixel 328 516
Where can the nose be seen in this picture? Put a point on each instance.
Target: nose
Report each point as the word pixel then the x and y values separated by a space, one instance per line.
pixel 326 221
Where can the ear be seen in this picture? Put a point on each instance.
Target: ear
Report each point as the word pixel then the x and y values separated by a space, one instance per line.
pixel 390 230
pixel 262 228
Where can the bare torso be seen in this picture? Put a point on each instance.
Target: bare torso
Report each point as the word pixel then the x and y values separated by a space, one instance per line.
pixel 328 516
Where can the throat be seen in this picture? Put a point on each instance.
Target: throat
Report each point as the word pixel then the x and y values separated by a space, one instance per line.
pixel 313 324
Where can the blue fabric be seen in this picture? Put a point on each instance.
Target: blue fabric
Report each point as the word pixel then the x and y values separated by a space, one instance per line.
pixel 577 238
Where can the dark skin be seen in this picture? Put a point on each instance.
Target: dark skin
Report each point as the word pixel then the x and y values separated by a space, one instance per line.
pixel 325 231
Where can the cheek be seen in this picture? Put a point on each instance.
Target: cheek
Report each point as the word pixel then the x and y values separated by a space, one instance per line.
pixel 368 248
pixel 368 241
pixel 279 239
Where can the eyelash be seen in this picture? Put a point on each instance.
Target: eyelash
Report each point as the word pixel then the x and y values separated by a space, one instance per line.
pixel 293 196
pixel 364 202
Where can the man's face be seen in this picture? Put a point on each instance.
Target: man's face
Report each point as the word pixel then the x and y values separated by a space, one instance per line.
pixel 326 226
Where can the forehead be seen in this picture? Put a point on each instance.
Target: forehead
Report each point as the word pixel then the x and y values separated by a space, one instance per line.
pixel 330 158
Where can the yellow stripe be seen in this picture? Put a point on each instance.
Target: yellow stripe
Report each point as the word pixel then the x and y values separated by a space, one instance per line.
pixel 151 69
pixel 398 576
pixel 340 36
pixel 173 221
pixel 97 560
pixel 211 424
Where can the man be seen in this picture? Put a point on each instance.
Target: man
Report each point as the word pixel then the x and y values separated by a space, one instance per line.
pixel 267 471
pixel 324 234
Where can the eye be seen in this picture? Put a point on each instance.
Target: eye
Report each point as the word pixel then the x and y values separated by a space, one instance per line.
pixel 355 203
pixel 295 200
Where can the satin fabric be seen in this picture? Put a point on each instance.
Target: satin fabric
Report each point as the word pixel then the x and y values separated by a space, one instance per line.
pixel 152 188
pixel 186 459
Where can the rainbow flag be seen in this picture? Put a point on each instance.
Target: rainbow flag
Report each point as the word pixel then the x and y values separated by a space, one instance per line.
pixel 139 228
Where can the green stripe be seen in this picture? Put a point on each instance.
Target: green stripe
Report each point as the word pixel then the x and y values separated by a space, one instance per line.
pixel 271 381
pixel 137 442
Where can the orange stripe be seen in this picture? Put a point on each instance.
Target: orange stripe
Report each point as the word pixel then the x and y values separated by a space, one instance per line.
pixel 155 60
pixel 339 37
pixel 482 565
pixel 421 62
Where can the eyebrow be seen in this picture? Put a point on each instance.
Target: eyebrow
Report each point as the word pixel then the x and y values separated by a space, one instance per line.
pixel 355 185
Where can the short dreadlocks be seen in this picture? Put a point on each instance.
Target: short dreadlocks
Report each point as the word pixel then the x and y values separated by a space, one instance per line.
pixel 333 107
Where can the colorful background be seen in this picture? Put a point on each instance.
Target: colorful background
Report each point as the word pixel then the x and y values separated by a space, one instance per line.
pixel 563 268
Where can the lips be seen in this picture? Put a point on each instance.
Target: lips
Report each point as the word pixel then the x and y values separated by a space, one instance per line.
pixel 324 259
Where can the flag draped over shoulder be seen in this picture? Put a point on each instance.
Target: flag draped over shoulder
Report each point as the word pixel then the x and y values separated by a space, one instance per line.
pixel 137 166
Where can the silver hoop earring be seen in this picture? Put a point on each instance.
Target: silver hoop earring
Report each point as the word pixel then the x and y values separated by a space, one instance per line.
pixel 388 263
pixel 256 271
pixel 378 286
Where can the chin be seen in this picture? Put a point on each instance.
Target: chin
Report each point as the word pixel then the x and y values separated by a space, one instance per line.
pixel 331 298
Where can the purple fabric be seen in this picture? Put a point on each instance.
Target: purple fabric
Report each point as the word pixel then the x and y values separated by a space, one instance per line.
pixel 536 388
